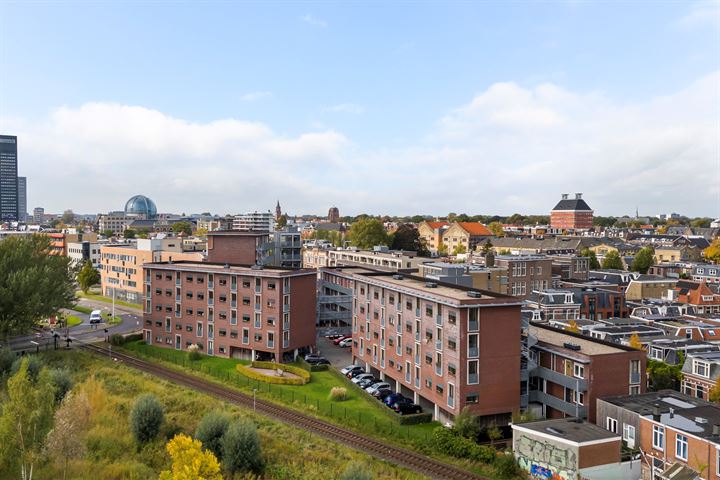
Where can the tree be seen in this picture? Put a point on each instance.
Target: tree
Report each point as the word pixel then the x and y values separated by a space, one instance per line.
pixel 700 222
pixel 516 219
pixel 662 376
pixel 635 342
pixel 107 233
pixel 356 471
pixel 368 232
pixel 643 260
pixel 241 448
pixel 129 233
pixel 407 238
pixel 211 430
pixel 201 232
pixel 612 261
pixel 494 433
pixel 34 284
pixel 26 418
pixel 282 222
pixel 459 249
pixel 714 393
pixel 7 358
pixel 712 252
pixel 68 217
pixel 182 227
pixel 573 327
pixel 88 276
pixel 190 461
pixel 594 264
pixel 496 228
pixel 63 383
pixel 65 440
pixel 487 247
pixel 467 424
pixel 146 417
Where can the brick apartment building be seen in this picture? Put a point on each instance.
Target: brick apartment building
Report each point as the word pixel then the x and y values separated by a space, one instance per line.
pixel 238 311
pixel 574 370
pixel 446 346
pixel 465 235
pixel 525 273
pixel 432 233
pixel 571 214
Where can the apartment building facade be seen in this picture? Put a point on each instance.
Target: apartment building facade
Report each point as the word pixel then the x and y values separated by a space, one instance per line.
pixel 84 251
pixel 247 312
pixel 525 273
pixel 448 347
pixel 380 258
pixel 700 373
pixel 492 279
pixel 432 234
pixel 116 222
pixel 254 222
pixel 571 214
pixel 573 371
pixel 465 236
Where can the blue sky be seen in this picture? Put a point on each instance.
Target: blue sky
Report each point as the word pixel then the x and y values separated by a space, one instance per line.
pixel 375 107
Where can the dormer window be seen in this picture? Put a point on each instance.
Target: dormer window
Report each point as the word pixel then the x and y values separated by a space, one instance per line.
pixel 568 298
pixel 701 368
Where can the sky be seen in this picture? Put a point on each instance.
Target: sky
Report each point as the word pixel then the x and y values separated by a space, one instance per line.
pixel 395 108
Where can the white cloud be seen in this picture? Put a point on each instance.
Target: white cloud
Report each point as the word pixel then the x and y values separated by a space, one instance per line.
pixel 511 148
pixel 314 21
pixel 345 108
pixel 701 14
pixel 253 96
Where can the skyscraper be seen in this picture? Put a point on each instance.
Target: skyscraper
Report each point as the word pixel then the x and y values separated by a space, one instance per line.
pixel 22 199
pixel 8 179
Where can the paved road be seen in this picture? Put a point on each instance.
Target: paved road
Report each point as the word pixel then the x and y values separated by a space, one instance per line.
pixel 338 357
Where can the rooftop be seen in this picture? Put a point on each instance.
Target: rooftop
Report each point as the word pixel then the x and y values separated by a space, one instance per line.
pixel 588 346
pixel 212 267
pixel 665 399
pixel 569 429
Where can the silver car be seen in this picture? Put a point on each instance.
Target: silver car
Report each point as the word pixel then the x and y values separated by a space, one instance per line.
pixel 362 376
pixel 377 386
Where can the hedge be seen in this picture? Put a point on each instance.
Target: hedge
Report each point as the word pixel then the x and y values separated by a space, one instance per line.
pixel 447 441
pixel 255 375
pixel 415 418
pixel 122 339
pixel 312 368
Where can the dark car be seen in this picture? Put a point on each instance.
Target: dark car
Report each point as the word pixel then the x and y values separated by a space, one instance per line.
pixel 367 382
pixel 355 371
pixel 318 361
pixel 382 393
pixel 311 356
pixel 406 408
pixel 393 398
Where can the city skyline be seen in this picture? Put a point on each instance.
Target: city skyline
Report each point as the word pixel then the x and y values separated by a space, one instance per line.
pixel 502 114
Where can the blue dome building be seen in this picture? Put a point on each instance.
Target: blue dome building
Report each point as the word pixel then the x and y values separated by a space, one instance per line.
pixel 141 205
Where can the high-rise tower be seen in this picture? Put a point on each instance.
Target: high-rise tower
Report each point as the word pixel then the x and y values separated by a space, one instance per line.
pixel 9 211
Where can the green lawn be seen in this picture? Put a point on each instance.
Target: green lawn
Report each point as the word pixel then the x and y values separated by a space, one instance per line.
pixel 100 298
pixel 73 320
pixel 111 321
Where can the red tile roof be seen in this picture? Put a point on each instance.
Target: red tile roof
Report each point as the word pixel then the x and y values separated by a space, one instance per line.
pixel 474 228
pixel 436 225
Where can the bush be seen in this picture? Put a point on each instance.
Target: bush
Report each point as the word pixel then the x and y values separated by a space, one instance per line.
pixel 338 394
pixel 506 466
pixel 467 425
pixel 319 368
pixel 193 354
pixel 447 441
pixel 210 432
pixel 117 339
pixel 146 418
pixel 7 357
pixel 356 471
pixel 415 418
pixel 255 375
pixel 33 368
pixel 63 383
pixel 241 448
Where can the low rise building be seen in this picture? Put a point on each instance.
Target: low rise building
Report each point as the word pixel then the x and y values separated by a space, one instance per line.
pixel 698 295
pixel 572 214
pixel 492 279
pixel 706 273
pixel 84 251
pixel 648 286
pixel 238 311
pixel 115 222
pixel 463 237
pixel 701 371
pixel 525 273
pixel 432 234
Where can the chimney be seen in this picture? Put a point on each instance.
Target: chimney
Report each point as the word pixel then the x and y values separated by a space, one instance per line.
pixel 672 413
pixel 170 259
pixel 564 196
pixel 578 196
pixel 656 412
pixel 716 430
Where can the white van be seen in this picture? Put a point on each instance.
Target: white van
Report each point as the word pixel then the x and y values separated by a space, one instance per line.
pixel 96 316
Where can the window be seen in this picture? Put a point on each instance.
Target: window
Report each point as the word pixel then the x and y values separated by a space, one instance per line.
pixel 701 368
pixel 658 440
pixel 472 398
pixel 611 424
pixel 634 390
pixel 579 398
pixel 681 447
pixel 629 435
pixel 578 371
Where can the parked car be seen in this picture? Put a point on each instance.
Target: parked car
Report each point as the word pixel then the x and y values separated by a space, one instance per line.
pixel 382 393
pixel 377 386
pixel 96 316
pixel 318 361
pixel 393 398
pixel 347 369
pixel 312 355
pixel 340 339
pixel 362 376
pixel 367 382
pixel 334 336
pixel 346 343
pixel 355 371
pixel 406 408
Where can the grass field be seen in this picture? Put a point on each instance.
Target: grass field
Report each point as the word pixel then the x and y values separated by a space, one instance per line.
pixel 87 310
pixel 73 320
pixel 111 453
pixel 359 412
pixel 100 298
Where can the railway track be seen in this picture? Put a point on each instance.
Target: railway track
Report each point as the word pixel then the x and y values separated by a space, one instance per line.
pixel 400 456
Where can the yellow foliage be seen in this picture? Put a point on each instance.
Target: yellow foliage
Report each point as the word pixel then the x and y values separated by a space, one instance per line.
pixel 713 251
pixel 635 342
pixel 190 461
pixel 714 393
pixel 573 327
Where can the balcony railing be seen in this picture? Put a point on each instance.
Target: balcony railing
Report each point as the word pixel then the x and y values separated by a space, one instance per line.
pixel 271 344
pixel 558 404
pixel 233 303
pixel 210 285
pixel 473 325
pixel 564 380
pixel 438 320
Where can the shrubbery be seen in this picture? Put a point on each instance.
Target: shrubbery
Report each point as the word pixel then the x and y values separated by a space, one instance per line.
pixel 210 432
pixel 193 353
pixel 33 367
pixel 7 357
pixel 356 471
pixel 63 383
pixel 146 418
pixel 255 375
pixel 338 394
pixel 118 339
pixel 449 442
pixel 415 418
pixel 241 448
pixel 506 466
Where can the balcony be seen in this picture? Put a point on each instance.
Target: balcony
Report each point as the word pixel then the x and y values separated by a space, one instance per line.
pixel 178 282
pixel 438 369
pixel 233 304
pixel 178 298
pixel 233 287
pixel 417 336
pixel 211 301
pixel 417 359
pixel 557 377
pixel 558 404
pixel 210 285
pixel 271 344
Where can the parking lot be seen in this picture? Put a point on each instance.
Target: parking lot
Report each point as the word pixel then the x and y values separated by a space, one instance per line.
pixel 339 357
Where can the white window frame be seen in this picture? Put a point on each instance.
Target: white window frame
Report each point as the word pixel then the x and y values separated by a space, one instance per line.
pixel 578 370
pixel 680 442
pixel 658 437
pixel 629 434
pixel 611 424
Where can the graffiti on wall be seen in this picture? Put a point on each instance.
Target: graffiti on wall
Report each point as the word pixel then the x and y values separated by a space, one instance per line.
pixel 545 460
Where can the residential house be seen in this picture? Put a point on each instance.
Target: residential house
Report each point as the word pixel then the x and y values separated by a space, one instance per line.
pixel 648 286
pixel 700 373
pixel 432 233
pixel 465 236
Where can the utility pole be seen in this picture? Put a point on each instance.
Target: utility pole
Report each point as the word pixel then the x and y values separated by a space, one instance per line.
pixel 112 316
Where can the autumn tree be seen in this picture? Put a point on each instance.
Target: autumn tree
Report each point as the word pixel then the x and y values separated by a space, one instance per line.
pixel 26 418
pixel 459 249
pixel 368 232
pixel 612 261
pixel 573 327
pixel 643 260
pixel 190 461
pixel 634 342
pixel 88 276
pixel 496 228
pixel 34 284
pixel 712 252
pixel 714 393
pixel 65 441
pixel 594 264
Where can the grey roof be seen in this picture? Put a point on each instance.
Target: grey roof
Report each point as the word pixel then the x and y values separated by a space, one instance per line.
pixel 665 399
pixel 573 204
pixel 571 429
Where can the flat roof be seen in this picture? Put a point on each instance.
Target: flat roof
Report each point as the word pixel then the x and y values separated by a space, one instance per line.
pixel 588 346
pixel 664 399
pixel 213 267
pixel 569 429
